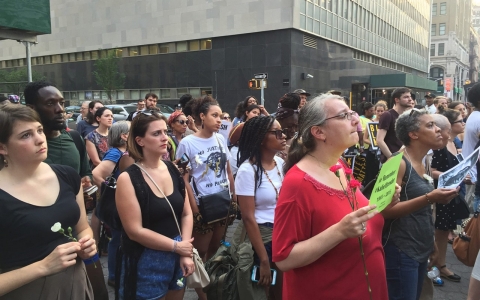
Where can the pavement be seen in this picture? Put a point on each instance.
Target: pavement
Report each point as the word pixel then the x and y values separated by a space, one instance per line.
pixel 450 290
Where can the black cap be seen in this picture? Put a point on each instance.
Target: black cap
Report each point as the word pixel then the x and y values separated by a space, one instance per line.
pixel 430 95
pixel 301 92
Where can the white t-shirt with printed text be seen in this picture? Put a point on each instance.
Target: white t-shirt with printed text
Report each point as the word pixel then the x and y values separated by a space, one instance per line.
pixel 209 166
pixel 265 196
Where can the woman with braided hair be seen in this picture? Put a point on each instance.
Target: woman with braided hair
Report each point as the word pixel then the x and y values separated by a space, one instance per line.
pixel 287 116
pixel 258 182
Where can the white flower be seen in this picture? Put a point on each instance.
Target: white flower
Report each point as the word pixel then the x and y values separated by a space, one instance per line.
pixel 56 227
pixel 180 282
pixel 225 184
pixel 198 160
pixel 428 178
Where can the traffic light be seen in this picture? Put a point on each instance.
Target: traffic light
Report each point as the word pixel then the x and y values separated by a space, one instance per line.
pixel 254 84
pixel 467 82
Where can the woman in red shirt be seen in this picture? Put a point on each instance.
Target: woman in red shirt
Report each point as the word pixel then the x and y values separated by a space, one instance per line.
pixel 315 238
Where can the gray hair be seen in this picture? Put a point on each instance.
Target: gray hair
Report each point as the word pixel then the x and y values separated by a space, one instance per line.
pixel 441 121
pixel 86 102
pixel 115 134
pixel 408 122
pixel 312 114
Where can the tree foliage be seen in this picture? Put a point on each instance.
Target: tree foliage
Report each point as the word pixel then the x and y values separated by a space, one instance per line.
pixel 14 81
pixel 107 75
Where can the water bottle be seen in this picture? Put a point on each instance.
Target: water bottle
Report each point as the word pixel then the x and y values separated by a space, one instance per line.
pixel 434 275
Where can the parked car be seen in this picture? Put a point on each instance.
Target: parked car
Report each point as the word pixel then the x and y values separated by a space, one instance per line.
pixel 121 112
pixel 75 110
pixel 165 109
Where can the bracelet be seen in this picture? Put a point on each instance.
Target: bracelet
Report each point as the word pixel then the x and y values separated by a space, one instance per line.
pixel 428 200
pixel 174 246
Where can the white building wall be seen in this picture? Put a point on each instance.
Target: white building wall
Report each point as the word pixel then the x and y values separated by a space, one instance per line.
pixel 87 25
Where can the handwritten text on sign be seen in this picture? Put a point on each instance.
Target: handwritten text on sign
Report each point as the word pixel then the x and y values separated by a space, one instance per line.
pixel 385 186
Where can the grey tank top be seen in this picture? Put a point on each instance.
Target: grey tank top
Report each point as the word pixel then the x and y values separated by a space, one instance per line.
pixel 414 233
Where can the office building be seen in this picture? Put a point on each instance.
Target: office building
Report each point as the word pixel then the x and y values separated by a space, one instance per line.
pixel 172 47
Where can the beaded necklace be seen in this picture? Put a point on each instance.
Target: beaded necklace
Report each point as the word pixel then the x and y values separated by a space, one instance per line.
pixel 268 177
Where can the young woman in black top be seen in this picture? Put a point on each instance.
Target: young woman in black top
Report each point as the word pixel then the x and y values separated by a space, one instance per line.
pixel 155 256
pixel 36 259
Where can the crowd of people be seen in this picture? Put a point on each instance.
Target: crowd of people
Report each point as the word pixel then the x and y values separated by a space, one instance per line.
pixel 309 226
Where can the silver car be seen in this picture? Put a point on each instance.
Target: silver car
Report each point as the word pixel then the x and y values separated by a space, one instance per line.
pixel 121 112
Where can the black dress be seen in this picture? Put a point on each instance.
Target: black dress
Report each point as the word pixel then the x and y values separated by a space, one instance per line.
pixel 443 160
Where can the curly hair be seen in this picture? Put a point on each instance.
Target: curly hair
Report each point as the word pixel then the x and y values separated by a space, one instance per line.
pixel 31 91
pixel 250 143
pixel 290 100
pixel 202 105
pixel 408 122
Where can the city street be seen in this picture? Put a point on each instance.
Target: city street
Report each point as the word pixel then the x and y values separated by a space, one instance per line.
pixel 450 291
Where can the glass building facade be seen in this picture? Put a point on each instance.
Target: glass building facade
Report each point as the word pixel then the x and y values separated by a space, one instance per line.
pixel 394 30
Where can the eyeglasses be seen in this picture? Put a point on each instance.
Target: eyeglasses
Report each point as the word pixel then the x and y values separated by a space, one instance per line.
pixel 182 122
pixel 346 115
pixel 459 121
pixel 226 117
pixel 278 133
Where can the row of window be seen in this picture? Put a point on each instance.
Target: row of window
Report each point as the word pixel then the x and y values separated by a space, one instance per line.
pixel 380 61
pixel 194 45
pixel 443 8
pixel 136 94
pixel 442 28
pixel 362 29
pixel 441 49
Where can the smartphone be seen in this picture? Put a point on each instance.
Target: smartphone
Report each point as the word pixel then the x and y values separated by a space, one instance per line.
pixel 459 157
pixel 184 160
pixel 256 274
pixel 90 190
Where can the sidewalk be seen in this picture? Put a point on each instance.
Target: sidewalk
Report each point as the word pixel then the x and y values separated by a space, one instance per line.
pixel 450 291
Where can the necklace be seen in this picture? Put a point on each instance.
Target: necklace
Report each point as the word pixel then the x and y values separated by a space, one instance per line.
pixel 271 182
pixel 319 163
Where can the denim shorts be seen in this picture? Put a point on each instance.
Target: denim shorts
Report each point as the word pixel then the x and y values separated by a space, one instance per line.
pixel 157 273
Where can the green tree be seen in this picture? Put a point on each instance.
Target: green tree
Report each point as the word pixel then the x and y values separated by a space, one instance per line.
pixel 14 81
pixel 107 75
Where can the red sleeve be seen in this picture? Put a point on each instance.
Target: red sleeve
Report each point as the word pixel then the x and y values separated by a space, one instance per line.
pixel 385 121
pixel 292 225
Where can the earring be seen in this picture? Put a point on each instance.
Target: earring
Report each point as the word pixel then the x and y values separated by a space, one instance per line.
pixel 5 163
pixel 202 124
pixel 325 140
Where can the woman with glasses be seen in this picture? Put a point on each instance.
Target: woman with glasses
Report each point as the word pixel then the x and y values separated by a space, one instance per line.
pixel 408 235
pixel 258 183
pixel 315 237
pixel 287 116
pixel 178 122
pixel 226 116
pixel 210 174
pixel 451 122
pixel 154 254
pixel 460 106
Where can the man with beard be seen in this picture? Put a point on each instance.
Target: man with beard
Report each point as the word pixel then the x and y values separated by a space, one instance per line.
pixel 386 138
pixel 64 148
pixel 150 104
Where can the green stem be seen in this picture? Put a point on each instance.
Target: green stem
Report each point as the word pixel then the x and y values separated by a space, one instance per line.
pixel 360 241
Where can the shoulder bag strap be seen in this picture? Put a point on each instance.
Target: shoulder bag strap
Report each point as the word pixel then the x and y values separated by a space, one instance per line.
pixel 117 165
pixel 158 188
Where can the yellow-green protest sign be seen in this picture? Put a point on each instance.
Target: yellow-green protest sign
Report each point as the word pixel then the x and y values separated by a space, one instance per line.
pixel 385 186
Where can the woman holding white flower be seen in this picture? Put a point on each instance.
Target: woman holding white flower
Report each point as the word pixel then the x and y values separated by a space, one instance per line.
pixel 35 258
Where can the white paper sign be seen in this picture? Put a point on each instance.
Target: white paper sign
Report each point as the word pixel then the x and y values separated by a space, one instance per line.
pixel 454 177
pixel 225 129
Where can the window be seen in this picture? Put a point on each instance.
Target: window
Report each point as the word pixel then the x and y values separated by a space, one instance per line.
pixel 441 29
pixel 443 8
pixel 432 50
pixel 79 56
pixel 205 44
pixel 87 55
pixel 441 49
pixel 436 72
pixel 153 49
pixel 48 59
pixel 164 94
pixel 94 54
pixel 434 29
pixel 434 9
pixel 182 46
pixel 133 51
pixel 144 50
pixel 194 45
